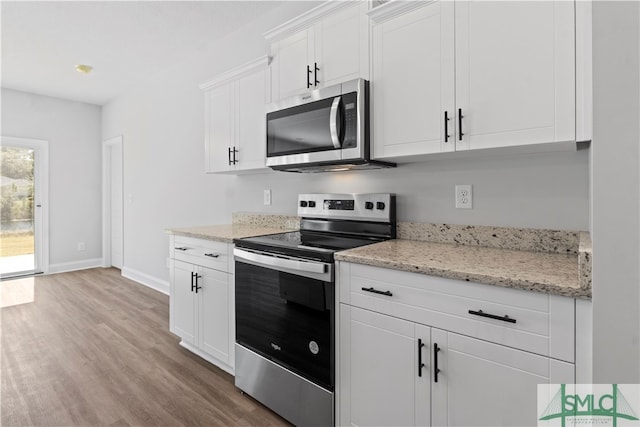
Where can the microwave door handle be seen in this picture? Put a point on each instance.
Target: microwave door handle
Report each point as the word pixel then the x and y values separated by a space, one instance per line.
pixel 333 122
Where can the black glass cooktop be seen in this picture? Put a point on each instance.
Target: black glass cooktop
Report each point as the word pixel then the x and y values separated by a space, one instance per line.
pixel 306 244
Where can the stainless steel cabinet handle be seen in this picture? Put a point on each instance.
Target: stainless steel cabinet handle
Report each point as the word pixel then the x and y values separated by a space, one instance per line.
pixel 333 126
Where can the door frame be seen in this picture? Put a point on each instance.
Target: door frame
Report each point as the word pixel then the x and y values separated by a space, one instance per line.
pixel 41 197
pixel 107 144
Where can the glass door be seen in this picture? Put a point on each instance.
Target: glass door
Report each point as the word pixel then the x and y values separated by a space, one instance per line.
pixel 21 227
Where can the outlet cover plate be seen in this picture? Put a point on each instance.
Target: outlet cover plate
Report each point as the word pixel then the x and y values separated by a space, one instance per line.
pixel 464 197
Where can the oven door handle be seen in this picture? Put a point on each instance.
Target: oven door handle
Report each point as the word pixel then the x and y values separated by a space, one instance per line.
pixel 278 262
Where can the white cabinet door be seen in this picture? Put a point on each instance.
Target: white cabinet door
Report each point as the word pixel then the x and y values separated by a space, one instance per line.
pixel 337 44
pixel 183 302
pixel 485 384
pixel 413 81
pixel 342 46
pixel 214 313
pixel 219 127
pixel 379 379
pixel 515 72
pixel 291 57
pixel 251 121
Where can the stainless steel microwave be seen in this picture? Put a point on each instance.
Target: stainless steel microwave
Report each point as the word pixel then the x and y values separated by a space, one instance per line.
pixel 324 130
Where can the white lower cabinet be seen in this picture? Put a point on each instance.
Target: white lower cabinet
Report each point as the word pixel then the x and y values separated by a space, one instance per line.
pixel 380 381
pixel 183 302
pixel 202 299
pixel 485 384
pixel 395 370
pixel 214 314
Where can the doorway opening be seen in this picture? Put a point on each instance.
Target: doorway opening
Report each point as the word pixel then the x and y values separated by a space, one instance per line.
pixel 112 202
pixel 23 166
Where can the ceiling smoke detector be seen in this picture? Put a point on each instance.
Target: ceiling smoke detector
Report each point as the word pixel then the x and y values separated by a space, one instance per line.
pixel 84 69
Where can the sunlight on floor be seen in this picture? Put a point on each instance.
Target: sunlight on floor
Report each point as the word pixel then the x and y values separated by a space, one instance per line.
pixel 13 264
pixel 17 291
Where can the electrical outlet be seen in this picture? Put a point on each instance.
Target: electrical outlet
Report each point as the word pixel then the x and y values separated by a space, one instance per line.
pixel 464 197
pixel 80 246
pixel 267 197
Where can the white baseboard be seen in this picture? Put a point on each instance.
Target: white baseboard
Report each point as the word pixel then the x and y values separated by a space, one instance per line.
pixel 64 267
pixel 146 280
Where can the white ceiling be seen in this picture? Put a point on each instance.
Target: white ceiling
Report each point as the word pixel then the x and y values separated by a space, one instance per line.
pixel 125 41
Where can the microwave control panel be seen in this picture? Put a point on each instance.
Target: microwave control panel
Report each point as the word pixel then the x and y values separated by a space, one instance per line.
pixel 350 111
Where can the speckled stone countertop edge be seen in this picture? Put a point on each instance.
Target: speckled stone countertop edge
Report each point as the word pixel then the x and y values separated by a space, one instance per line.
pixel 585 257
pixel 505 282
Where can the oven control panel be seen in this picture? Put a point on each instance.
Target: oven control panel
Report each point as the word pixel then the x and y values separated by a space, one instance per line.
pixel 361 207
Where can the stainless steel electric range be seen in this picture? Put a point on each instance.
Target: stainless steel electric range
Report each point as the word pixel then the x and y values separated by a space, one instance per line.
pixel 285 302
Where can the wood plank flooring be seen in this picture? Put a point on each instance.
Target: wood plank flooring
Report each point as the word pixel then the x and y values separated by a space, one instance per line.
pixel 94 349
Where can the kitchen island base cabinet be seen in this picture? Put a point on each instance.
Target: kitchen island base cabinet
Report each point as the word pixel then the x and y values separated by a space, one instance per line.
pixel 202 299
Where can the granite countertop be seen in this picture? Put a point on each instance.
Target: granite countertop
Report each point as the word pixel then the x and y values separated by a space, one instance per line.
pixel 549 261
pixel 224 232
pixel 243 225
pixel 564 269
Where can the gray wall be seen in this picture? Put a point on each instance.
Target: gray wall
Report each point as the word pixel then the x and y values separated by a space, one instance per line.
pixel 162 126
pixel 616 185
pixel 73 130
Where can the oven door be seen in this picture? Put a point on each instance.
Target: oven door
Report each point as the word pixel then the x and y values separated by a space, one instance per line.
pixel 285 312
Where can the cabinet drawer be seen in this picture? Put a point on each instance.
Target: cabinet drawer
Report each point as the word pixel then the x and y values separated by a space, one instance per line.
pixel 531 321
pixel 207 253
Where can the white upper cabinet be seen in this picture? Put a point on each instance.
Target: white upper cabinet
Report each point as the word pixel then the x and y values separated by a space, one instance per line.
pixel 325 46
pixel 515 72
pixel 235 126
pixel 413 80
pixel 503 73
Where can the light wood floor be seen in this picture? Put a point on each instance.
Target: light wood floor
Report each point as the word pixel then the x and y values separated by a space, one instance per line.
pixel 95 349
